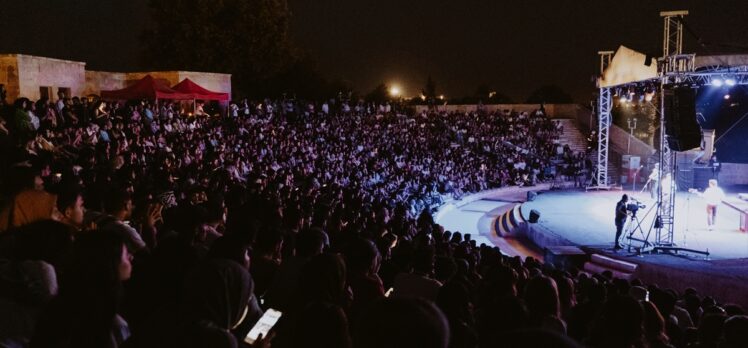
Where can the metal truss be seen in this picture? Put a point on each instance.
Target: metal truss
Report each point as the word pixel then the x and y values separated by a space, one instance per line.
pixel 672 35
pixel 604 120
pixel 701 78
pixel 665 224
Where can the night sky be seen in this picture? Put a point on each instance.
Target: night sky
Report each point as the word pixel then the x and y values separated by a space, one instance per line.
pixel 512 46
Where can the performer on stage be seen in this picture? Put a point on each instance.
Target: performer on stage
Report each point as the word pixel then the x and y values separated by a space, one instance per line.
pixel 620 218
pixel 654 181
pixel 667 181
pixel 713 196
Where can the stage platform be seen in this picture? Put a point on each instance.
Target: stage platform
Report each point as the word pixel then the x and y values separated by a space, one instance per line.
pixel 586 219
pixel 476 214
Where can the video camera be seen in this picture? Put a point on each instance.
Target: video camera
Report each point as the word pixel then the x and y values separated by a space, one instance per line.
pixel 634 206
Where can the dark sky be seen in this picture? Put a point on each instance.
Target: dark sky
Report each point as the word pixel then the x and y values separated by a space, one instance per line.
pixel 513 46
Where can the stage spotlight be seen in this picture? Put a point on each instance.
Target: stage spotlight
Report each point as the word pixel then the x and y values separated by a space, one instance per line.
pixel 730 82
pixel 727 97
pixel 717 82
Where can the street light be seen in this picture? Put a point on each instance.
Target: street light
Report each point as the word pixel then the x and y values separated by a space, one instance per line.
pixel 632 126
pixel 395 91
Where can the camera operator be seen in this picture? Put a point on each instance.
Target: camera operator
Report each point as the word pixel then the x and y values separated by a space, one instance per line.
pixel 620 218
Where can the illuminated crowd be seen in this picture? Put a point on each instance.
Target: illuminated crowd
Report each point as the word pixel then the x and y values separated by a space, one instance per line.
pixel 135 225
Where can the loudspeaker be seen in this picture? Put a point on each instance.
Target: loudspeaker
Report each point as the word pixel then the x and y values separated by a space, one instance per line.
pixel 707 144
pixel 531 195
pixel 534 216
pixel 682 131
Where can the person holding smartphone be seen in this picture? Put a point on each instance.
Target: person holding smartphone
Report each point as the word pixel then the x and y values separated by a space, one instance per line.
pixel 214 301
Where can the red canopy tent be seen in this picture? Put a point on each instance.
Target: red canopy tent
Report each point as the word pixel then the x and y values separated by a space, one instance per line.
pixel 198 92
pixel 145 88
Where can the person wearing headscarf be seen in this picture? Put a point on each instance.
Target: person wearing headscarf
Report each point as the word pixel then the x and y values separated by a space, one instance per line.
pixel 214 300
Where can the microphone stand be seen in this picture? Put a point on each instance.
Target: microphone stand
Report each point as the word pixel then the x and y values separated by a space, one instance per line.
pixel 633 189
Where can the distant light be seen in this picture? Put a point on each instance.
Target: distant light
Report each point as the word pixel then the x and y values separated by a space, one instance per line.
pixel 623 99
pixel 423 97
pixel 717 82
pixel 441 97
pixel 727 97
pixel 649 96
pixel 395 91
pixel 730 82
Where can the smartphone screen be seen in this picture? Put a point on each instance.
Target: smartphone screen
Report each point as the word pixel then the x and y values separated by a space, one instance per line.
pixel 389 292
pixel 263 325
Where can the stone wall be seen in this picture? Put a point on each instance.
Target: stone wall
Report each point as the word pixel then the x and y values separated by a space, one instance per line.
pixel 9 76
pixel 170 78
pixel 97 81
pixel 733 174
pixel 35 72
pixel 215 82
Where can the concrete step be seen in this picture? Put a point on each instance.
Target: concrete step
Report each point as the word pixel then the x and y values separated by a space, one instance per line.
pixel 572 136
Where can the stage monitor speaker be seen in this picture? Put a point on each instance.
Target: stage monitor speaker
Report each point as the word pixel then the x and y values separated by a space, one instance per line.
pixel 531 195
pixel 682 131
pixel 534 216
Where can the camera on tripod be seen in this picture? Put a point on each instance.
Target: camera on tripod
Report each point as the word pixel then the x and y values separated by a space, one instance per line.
pixel 634 206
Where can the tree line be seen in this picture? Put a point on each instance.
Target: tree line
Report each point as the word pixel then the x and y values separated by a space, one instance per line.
pixel 251 40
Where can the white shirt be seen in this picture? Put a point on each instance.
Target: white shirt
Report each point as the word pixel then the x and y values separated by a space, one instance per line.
pixel 666 182
pixel 713 195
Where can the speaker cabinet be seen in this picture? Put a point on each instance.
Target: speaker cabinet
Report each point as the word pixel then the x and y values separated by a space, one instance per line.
pixel 682 131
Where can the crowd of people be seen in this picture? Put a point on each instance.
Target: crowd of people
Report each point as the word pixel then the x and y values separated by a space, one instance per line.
pixel 129 224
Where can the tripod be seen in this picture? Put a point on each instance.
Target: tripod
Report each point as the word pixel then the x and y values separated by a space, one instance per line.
pixel 635 225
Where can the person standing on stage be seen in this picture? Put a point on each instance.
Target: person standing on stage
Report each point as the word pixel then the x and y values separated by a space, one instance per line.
pixel 713 196
pixel 654 181
pixel 621 215
pixel 667 182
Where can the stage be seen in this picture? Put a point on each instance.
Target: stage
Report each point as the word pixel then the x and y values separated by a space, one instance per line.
pixel 586 220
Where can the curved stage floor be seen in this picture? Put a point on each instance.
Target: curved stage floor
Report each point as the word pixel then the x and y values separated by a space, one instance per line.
pixel 477 214
pixel 585 219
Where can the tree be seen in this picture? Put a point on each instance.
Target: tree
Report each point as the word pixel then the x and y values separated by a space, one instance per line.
pixel 483 92
pixel 379 94
pixel 550 94
pixel 487 95
pixel 246 38
pixel 429 91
